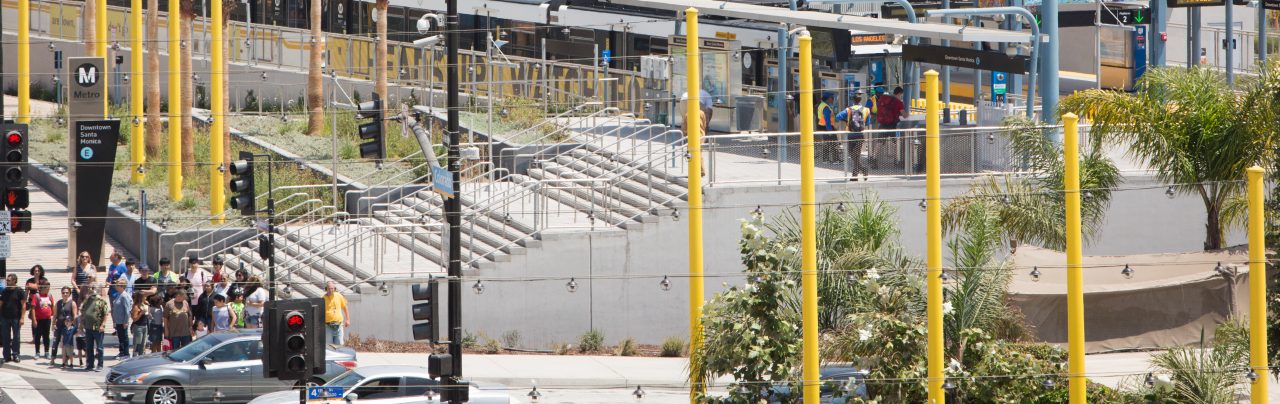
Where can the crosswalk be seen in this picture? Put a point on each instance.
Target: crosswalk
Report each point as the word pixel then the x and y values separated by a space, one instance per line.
pixel 24 388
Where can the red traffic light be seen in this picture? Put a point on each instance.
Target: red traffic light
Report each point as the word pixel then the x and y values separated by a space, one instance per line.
pixel 20 221
pixel 14 138
pixel 294 321
pixel 17 198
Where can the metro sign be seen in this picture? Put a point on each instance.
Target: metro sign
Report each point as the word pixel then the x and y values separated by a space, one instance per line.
pixel 87 75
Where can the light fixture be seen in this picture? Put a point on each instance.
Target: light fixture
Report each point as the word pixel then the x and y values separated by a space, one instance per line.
pixel 1127 272
pixel 52 46
pixel 1150 380
pixel 764 151
pixel 638 394
pixel 478 287
pixel 1221 270
pixel 948 385
pixel 287 291
pixel 182 44
pixel 1169 192
pixel 923 206
pixel 76 225
pixel 1048 384
pixel 758 211
pixel 115 46
pixel 840 207
pixel 1252 375
pixel 136 121
pixel 534 395
pixel 125 78
pixel 665 283
pixel 383 290
pixel 991 138
pixel 1088 195
pixel 264 76
pixel 675 214
pixel 1004 199
pixel 141 170
pixel 222 168
pixel 943 276
pixel 1035 274
pixel 572 285
pixel 565 30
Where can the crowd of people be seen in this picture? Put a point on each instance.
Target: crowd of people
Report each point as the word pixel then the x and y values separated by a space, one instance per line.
pixel 147 311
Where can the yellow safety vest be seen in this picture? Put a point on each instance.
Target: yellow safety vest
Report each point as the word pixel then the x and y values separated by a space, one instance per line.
pixel 823 110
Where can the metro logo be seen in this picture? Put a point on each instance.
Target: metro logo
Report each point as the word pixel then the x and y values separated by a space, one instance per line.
pixel 87 75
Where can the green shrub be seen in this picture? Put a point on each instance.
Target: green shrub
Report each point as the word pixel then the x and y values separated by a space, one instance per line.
pixel 628 347
pixel 468 339
pixel 511 339
pixel 673 347
pixel 591 341
pixel 491 346
pixel 561 348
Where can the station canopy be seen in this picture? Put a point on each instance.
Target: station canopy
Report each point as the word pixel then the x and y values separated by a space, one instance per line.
pixel 834 21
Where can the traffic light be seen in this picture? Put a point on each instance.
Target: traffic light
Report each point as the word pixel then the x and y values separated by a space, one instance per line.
pixel 242 184
pixel 17 198
pixel 427 311
pixel 265 247
pixel 373 148
pixel 293 339
pixel 20 221
pixel 14 149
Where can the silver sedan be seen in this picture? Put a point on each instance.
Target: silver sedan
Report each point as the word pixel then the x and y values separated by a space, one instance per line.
pixel 387 384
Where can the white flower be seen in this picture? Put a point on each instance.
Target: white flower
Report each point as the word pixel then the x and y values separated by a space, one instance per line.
pixel 872 274
pixel 864 334
pixel 954 365
pixel 947 308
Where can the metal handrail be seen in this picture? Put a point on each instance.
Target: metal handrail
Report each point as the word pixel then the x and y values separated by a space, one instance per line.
pixel 228 224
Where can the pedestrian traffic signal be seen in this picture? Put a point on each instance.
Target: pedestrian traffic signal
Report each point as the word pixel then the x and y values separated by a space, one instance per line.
pixel 242 184
pixel 428 311
pixel 373 148
pixel 17 198
pixel 266 248
pixel 20 221
pixel 14 149
pixel 293 339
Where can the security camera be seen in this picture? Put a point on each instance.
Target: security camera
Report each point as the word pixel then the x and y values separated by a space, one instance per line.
pixel 430 22
pixel 428 41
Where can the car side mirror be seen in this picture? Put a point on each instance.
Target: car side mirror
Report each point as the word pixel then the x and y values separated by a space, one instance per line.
pixel 352 397
pixel 205 361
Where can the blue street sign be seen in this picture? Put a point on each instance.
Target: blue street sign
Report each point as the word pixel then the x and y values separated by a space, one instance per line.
pixel 442 181
pixel 606 55
pixel 999 83
pixel 324 392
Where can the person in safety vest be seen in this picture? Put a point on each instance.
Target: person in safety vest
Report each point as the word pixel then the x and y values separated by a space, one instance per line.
pixel 826 148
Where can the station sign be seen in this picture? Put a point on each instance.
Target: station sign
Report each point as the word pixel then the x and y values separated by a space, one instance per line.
pixel 1195 3
pixel 873 39
pixel 966 58
pixel 896 12
pixel 1089 18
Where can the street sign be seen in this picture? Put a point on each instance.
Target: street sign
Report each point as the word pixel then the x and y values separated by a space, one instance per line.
pixel 999 83
pixel 966 58
pixel 606 55
pixel 1195 3
pixel 895 11
pixel 321 393
pixel 442 181
pixel 1114 16
pixel 6 247
pixel 6 220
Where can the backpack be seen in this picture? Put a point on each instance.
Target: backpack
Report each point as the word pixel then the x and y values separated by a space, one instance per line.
pixel 856 119
pixel 94 312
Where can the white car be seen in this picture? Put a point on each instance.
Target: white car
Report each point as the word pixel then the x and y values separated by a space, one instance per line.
pixel 385 384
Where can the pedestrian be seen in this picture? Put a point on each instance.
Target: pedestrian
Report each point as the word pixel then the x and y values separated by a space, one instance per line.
pixel 178 321
pixel 13 310
pixel 131 275
pixel 254 303
pixel 704 116
pixel 84 269
pixel 66 336
pixel 165 279
pixel 202 304
pixel 855 117
pixel 93 322
pixel 85 290
pixel 236 301
pixel 121 304
pixel 65 313
pixel 218 270
pixel 336 317
pixel 224 319
pixel 825 147
pixel 155 326
pixel 139 323
pixel 115 270
pixel 40 312
pixel 37 275
pixel 223 286
pixel 198 277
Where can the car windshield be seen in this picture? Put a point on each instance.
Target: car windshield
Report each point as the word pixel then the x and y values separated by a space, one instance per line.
pixel 194 349
pixel 346 380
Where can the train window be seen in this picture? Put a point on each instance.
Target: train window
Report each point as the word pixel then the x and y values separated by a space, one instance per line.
pixel 296 13
pixel 396 26
pixel 238 12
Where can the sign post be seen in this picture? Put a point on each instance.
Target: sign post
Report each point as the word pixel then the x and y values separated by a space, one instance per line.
pixel 86 90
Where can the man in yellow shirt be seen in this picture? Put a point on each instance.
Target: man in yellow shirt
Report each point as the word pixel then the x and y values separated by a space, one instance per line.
pixel 336 318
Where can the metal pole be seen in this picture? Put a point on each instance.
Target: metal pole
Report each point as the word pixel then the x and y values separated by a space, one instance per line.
pixel 1075 279
pixel 946 70
pixel 175 94
pixel 1193 56
pixel 24 61
pixel 1257 288
pixel 1049 66
pixel 217 110
pixel 453 206
pixel 1159 14
pixel 142 224
pixel 784 53
pixel 933 233
pixel 808 218
pixel 1262 35
pixel 693 107
pixel 1230 44
pixel 333 136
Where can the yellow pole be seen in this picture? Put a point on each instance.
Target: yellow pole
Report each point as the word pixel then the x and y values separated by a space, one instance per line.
pixel 24 61
pixel 1257 289
pixel 1075 279
pixel 933 233
pixel 100 49
pixel 216 198
pixel 808 227
pixel 137 133
pixel 175 98
pixel 692 110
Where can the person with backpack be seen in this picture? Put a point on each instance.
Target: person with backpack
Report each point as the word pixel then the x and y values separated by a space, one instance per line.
pixel 93 321
pixel 65 313
pixel 855 118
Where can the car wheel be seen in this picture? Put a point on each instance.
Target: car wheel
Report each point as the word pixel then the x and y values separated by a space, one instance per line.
pixel 166 393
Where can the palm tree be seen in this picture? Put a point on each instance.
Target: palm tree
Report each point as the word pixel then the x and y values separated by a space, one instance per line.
pixel 1031 209
pixel 1196 132
pixel 315 100
pixel 88 32
pixel 152 78
pixel 188 15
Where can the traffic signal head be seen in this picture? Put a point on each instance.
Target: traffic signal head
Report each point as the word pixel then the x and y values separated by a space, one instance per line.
pixel 16 198
pixel 372 132
pixel 20 221
pixel 14 149
pixel 295 342
pixel 427 311
pixel 242 188
pixel 293 339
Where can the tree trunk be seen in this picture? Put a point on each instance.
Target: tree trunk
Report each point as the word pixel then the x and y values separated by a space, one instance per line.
pixel 188 89
pixel 88 32
pixel 152 80
pixel 228 7
pixel 1213 238
pixel 315 99
pixel 380 55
